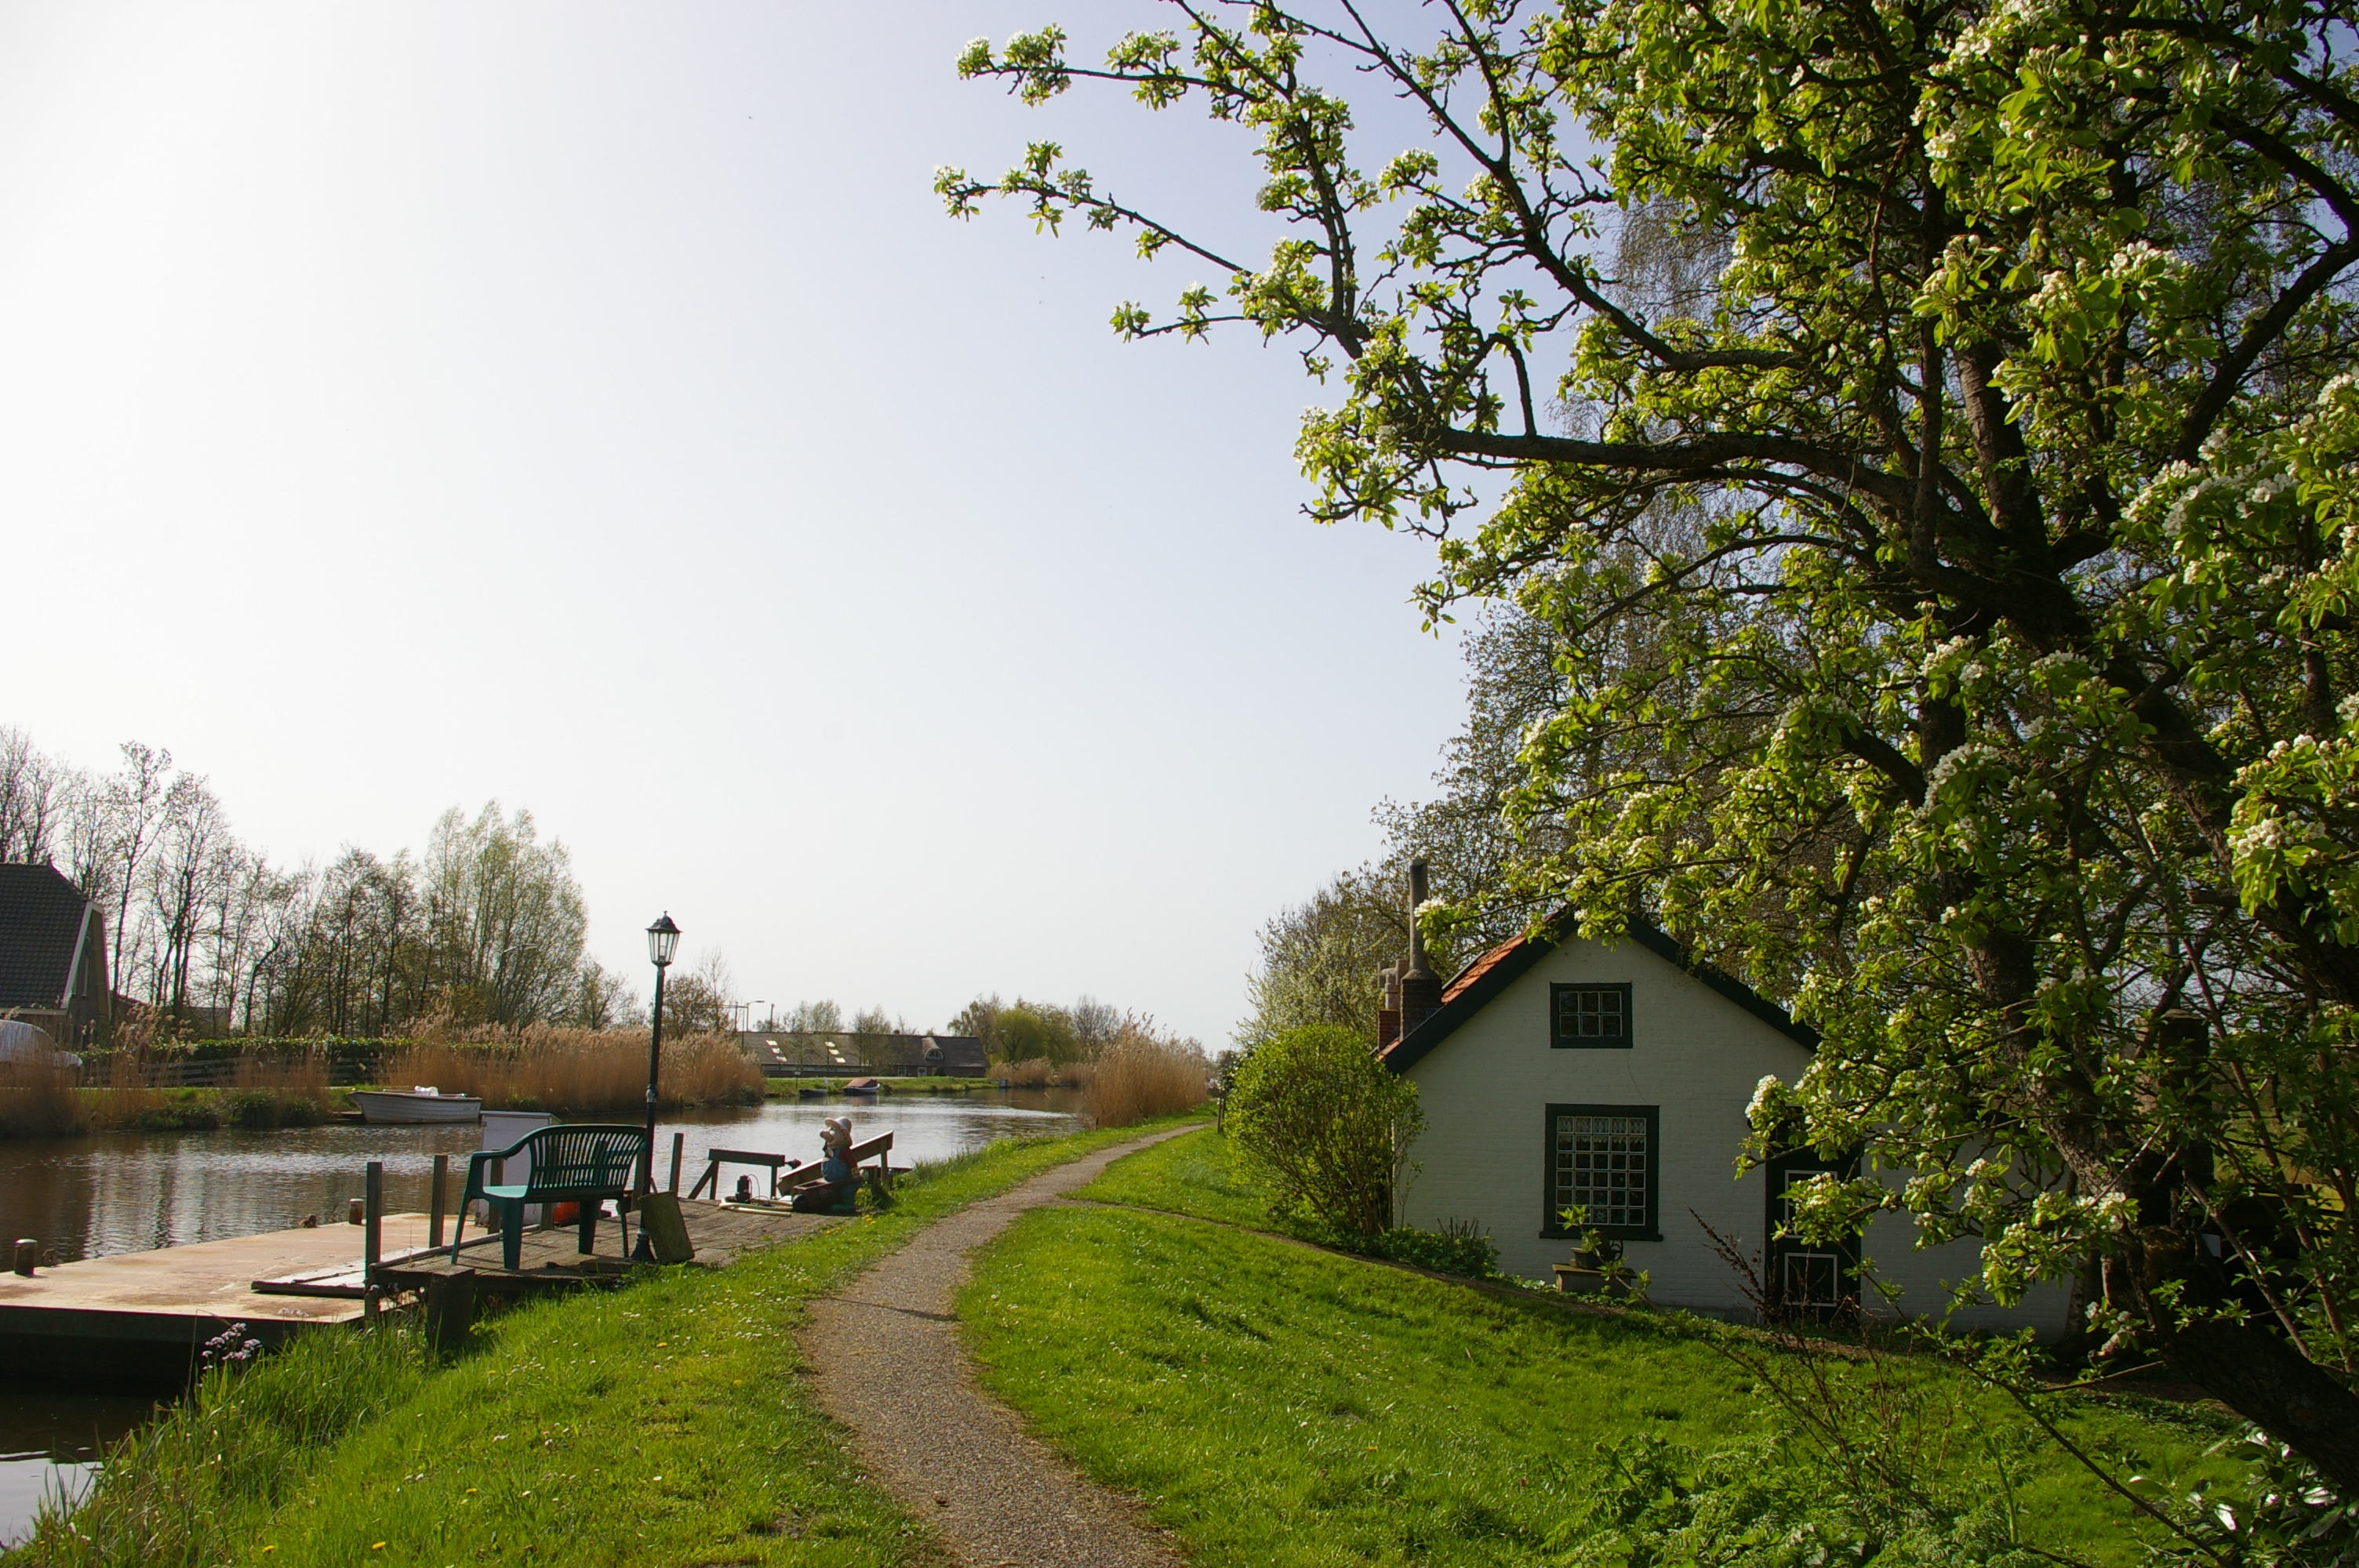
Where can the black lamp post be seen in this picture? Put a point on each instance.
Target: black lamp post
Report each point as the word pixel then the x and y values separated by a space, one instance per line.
pixel 663 939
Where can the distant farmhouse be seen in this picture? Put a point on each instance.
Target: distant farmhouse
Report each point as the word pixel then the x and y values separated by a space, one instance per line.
pixel 809 1053
pixel 1557 1073
pixel 52 955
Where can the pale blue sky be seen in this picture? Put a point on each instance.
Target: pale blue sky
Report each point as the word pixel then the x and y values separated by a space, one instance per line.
pixel 587 406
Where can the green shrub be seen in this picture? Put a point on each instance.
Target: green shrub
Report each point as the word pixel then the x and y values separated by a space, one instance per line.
pixel 253 1109
pixel 188 1111
pixel 1326 1126
pixel 1458 1247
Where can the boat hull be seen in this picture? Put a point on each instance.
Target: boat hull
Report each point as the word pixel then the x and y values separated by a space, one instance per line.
pixel 381 1105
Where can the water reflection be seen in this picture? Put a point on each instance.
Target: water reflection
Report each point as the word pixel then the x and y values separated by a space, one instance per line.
pixel 89 1198
pixel 49 1448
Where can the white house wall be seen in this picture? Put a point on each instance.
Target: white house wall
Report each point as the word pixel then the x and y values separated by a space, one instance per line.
pixel 1696 1057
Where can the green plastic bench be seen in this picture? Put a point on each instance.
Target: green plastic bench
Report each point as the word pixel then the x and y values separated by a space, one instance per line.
pixel 586 1163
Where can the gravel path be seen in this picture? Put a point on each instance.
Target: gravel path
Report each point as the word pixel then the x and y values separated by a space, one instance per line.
pixel 891 1366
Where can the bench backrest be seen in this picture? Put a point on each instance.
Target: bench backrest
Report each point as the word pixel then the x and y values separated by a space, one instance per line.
pixel 583 1158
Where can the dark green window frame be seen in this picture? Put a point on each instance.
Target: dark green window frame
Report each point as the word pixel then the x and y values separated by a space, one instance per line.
pixel 1564 1009
pixel 1551 1188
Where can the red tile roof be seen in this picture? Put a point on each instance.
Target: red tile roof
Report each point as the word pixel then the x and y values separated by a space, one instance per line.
pixel 1479 968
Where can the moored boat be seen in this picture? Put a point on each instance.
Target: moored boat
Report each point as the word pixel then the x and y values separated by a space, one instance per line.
pixel 422 1104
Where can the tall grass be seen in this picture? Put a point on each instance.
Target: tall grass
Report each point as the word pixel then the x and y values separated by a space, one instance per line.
pixel 37 1101
pixel 1033 1073
pixel 1144 1073
pixel 576 1070
pixel 1040 1073
pixel 190 1489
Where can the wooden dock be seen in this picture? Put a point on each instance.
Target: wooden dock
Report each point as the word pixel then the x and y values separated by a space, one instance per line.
pixel 142 1317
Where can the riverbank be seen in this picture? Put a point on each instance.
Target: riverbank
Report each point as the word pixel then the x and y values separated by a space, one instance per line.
pixel 669 1421
pixel 109 1193
pixel 1282 1406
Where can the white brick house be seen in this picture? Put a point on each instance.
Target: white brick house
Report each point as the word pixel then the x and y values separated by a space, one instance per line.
pixel 1560 1072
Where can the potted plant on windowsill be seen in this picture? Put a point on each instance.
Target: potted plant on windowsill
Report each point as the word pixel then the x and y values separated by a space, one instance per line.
pixel 1596 1267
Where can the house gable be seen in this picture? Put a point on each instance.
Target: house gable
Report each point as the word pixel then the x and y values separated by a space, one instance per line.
pixel 1483 982
pixel 1560 1059
pixel 1521 1115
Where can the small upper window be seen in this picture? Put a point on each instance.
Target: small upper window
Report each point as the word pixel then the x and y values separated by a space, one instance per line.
pixel 1595 1016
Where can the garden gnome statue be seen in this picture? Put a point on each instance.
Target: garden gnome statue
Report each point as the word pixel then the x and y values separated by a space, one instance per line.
pixel 835 1142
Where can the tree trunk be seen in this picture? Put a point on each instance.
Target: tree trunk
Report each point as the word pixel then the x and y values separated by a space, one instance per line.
pixel 2266 1380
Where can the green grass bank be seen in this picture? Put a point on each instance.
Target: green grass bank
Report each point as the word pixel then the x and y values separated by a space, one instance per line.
pixel 1280 1406
pixel 663 1423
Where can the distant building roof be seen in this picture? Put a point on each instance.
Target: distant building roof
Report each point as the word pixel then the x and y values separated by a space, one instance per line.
pixel 893 1055
pixel 42 919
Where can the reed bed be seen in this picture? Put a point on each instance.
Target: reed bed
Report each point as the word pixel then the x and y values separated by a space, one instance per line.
pixel 1143 1074
pixel 1034 1073
pixel 576 1070
pixel 38 1100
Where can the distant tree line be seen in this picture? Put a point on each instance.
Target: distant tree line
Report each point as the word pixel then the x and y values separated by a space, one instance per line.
pixel 486 927
pixel 1024 1031
pixel 826 1018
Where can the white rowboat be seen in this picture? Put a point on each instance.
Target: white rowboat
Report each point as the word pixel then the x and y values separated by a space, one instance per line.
pixel 423 1104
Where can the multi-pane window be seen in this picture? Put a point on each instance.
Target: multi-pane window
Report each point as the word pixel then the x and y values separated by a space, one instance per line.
pixel 1601 1160
pixel 1589 1015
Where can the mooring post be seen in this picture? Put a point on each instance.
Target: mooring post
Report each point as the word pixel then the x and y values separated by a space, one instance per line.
pixel 450 1308
pixel 29 1255
pixel 679 1142
pixel 372 1237
pixel 434 1201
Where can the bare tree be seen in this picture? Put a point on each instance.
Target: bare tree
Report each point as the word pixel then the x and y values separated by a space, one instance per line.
pixel 33 790
pixel 191 856
pixel 129 807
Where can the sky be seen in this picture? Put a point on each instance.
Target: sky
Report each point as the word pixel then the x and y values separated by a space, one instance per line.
pixel 587 406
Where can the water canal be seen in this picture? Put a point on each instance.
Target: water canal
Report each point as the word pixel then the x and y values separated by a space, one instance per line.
pixel 90 1198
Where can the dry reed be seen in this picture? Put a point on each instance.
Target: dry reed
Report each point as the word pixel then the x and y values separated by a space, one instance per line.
pixel 1026 1075
pixel 1040 1073
pixel 289 1077
pixel 1143 1073
pixel 38 1100
pixel 576 1070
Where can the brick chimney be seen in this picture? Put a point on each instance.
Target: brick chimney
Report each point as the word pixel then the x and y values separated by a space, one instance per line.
pixel 1420 987
pixel 1388 1010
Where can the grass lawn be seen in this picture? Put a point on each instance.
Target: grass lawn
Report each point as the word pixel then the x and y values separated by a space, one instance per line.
pixel 1279 1406
pixel 664 1423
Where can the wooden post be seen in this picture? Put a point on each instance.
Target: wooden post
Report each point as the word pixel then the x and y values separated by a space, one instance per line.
pixel 437 1197
pixel 679 1142
pixel 450 1308
pixel 372 1236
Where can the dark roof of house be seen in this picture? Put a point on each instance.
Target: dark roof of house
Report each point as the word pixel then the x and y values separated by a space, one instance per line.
pixel 42 919
pixel 1472 988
